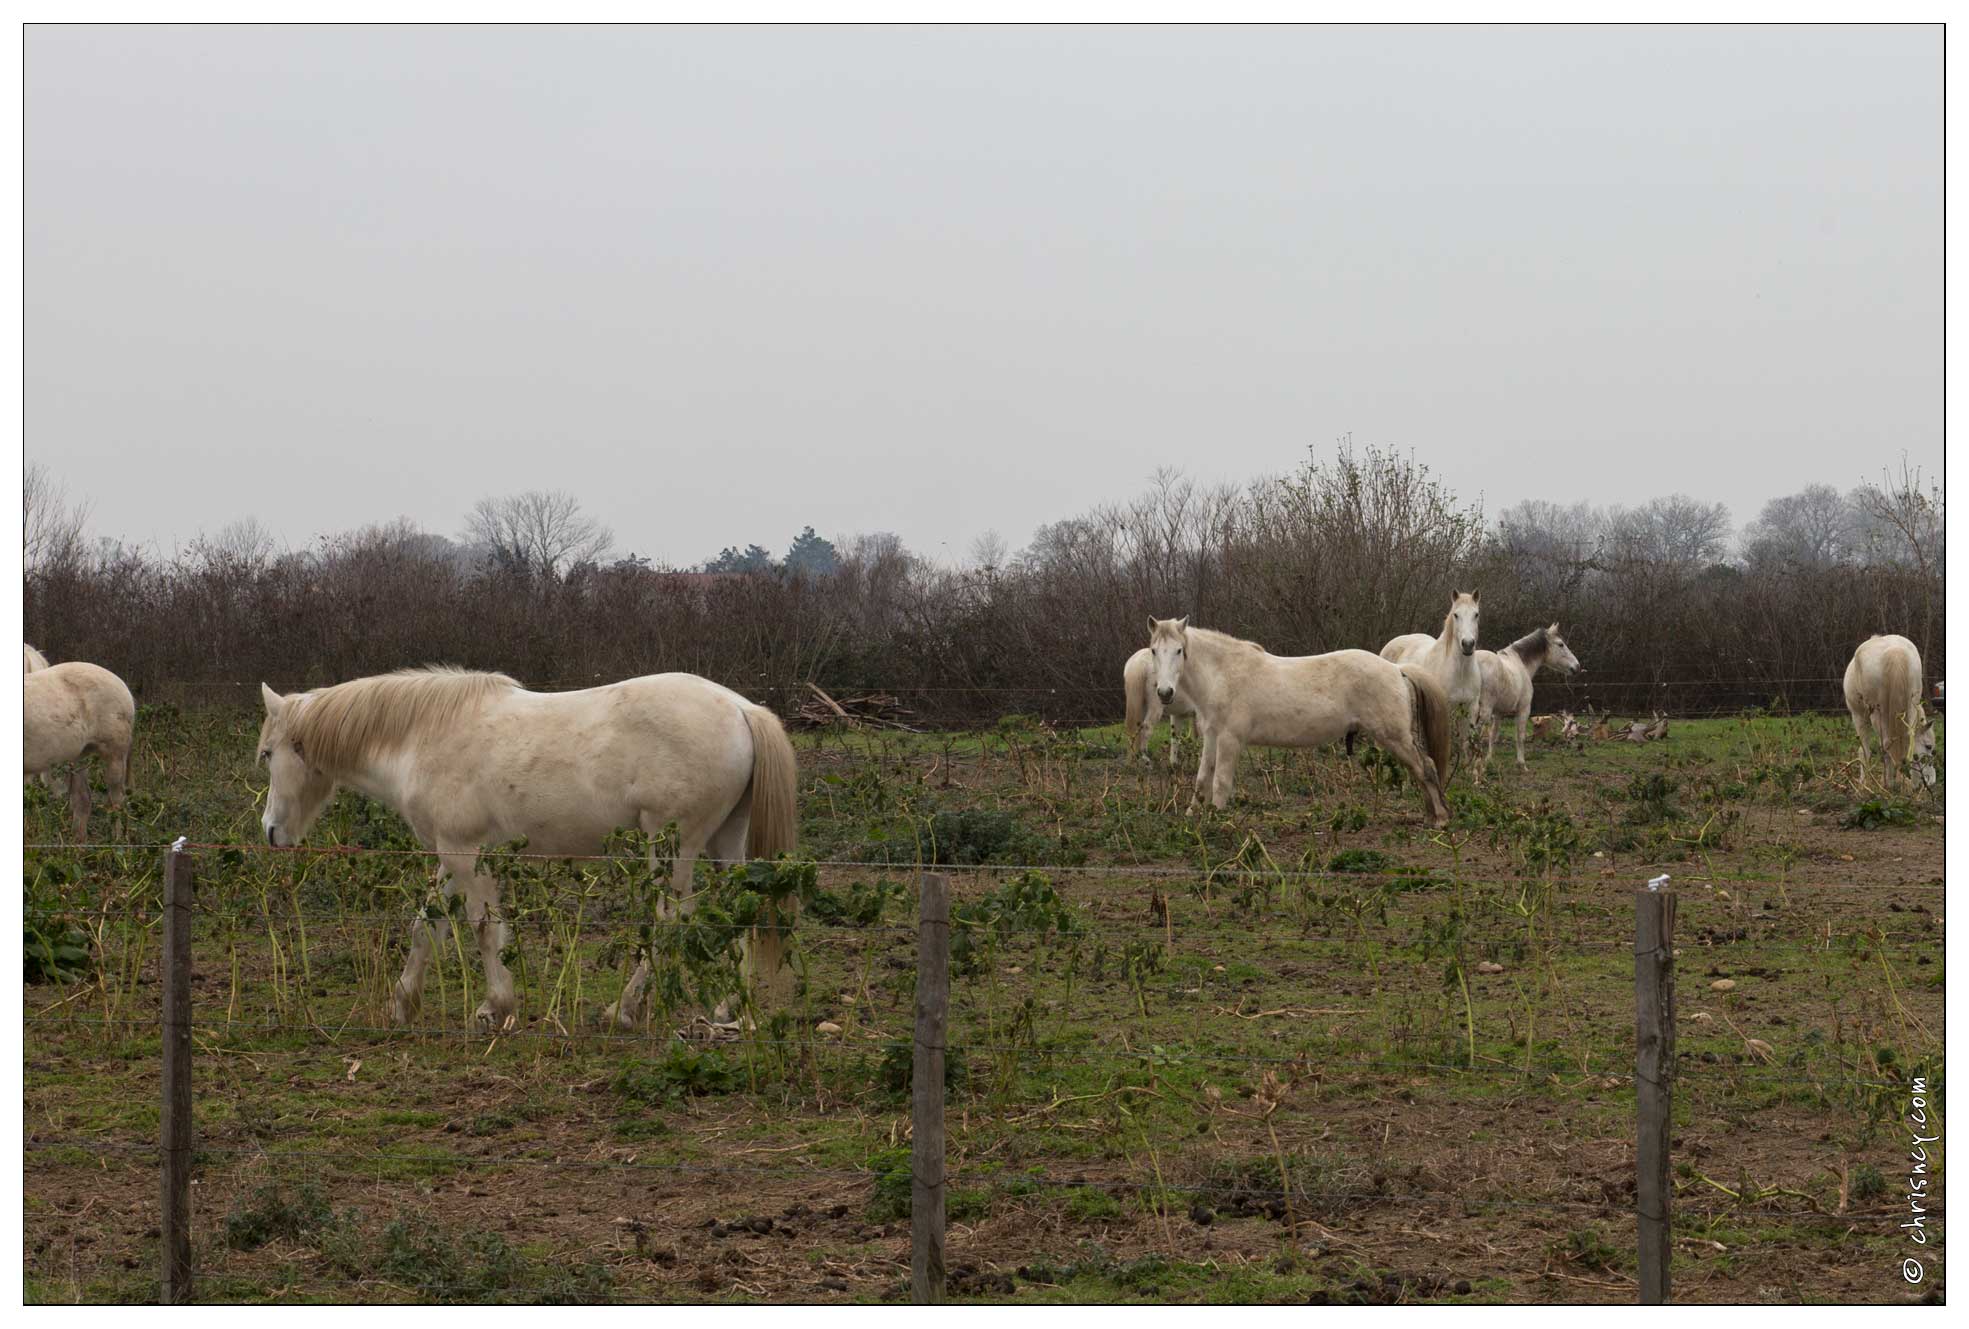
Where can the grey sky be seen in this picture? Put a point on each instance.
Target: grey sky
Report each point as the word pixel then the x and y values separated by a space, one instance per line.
pixel 722 283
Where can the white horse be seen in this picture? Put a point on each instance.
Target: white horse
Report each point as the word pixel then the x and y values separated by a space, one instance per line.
pixel 1246 696
pixel 1146 705
pixel 1883 693
pixel 70 710
pixel 1507 681
pixel 1451 655
pixel 32 660
pixel 472 759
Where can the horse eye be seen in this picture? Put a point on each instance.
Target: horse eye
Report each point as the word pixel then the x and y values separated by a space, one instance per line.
pixel 266 754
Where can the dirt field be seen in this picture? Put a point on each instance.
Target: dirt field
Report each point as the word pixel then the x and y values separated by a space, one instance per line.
pixel 1304 1049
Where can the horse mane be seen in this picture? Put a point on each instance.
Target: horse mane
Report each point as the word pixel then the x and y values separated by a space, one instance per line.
pixel 1226 639
pixel 1541 641
pixel 340 726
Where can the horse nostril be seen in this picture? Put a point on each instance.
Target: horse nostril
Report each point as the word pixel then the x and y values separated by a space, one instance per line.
pixel 273 843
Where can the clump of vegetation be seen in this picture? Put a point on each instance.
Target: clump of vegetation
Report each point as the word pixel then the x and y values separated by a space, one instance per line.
pixel 969 836
pixel 55 947
pixel 1651 799
pixel 897 1073
pixel 894 1187
pixel 272 1215
pixel 1588 1249
pixel 1026 904
pixel 862 906
pixel 481 1268
pixel 1360 860
pixel 1875 813
pixel 684 1072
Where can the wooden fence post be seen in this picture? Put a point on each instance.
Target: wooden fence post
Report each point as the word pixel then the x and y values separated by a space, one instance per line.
pixel 176 1041
pixel 1654 1078
pixel 926 1153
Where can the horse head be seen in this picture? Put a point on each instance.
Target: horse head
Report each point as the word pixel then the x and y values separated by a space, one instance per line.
pixel 1921 752
pixel 1168 647
pixel 296 791
pixel 1558 655
pixel 1463 621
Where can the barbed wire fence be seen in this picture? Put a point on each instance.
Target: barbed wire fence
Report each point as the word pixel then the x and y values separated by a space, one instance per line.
pixel 184 1032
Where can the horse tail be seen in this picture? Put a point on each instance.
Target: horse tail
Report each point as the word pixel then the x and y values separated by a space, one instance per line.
pixel 1137 690
pixel 1432 722
pixel 775 824
pixel 1899 693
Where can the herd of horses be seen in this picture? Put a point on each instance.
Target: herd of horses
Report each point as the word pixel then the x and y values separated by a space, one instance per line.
pixel 470 759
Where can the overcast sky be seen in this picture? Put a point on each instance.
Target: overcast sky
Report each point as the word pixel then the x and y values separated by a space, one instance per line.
pixel 724 283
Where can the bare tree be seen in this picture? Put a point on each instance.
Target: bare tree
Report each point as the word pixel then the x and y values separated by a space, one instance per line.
pixel 540 531
pixel 1673 532
pixel 240 546
pixel 1900 520
pixel 1809 529
pixel 51 526
pixel 988 552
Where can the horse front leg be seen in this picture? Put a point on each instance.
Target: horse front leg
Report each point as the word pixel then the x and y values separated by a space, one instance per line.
pixel 1523 716
pixel 408 993
pixel 1206 765
pixel 1225 761
pixel 496 1013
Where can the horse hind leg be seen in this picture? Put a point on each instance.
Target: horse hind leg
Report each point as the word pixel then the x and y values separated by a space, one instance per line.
pixel 1422 769
pixel 763 948
pixel 79 803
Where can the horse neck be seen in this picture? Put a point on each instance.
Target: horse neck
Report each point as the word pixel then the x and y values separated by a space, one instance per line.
pixel 1209 687
pixel 1533 661
pixel 379 776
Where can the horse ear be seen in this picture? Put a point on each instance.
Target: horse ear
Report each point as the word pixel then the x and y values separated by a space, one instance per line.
pixel 274 701
pixel 1184 622
pixel 1152 625
pixel 1475 597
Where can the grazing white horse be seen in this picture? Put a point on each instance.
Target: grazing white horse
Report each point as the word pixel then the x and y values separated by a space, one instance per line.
pixel 1507 681
pixel 1883 693
pixel 1146 705
pixel 1451 655
pixel 1246 696
pixel 73 709
pixel 473 759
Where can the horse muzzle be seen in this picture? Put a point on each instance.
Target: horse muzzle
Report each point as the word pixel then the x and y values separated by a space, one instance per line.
pixel 1469 648
pixel 1165 694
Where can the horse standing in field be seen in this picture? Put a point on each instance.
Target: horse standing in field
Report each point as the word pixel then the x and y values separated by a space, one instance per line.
pixel 473 759
pixel 1146 705
pixel 1883 693
pixel 1244 695
pixel 1507 681
pixel 1451 655
pixel 68 711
